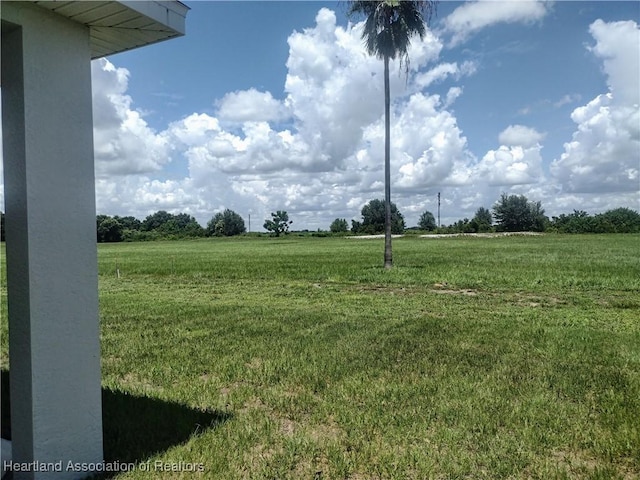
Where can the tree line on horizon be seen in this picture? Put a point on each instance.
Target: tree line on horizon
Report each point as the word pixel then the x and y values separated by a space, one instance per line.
pixel 511 213
pixel 165 225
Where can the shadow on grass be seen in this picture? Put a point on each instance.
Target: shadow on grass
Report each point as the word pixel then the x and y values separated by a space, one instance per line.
pixel 136 427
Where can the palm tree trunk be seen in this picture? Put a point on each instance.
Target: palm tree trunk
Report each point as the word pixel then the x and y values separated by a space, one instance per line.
pixel 388 258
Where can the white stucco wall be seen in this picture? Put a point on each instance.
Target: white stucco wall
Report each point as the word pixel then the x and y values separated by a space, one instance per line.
pixel 51 245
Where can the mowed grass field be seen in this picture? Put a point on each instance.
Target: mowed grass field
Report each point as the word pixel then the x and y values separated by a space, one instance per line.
pixel 302 358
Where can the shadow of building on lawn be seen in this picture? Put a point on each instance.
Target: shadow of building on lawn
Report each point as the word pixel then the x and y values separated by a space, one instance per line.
pixel 136 427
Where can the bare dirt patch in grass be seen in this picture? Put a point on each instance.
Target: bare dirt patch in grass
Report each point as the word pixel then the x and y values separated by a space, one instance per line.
pixel 535 301
pixel 441 288
pixel 464 291
pixel 389 289
pixel 255 363
pixel 328 432
pixel 287 427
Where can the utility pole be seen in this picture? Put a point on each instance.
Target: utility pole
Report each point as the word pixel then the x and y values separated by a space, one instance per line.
pixel 249 222
pixel 438 209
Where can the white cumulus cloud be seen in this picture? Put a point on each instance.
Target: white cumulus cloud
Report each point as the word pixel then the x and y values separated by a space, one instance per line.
pixel 511 165
pixel 604 152
pixel 518 160
pixel 472 17
pixel 618 45
pixel 123 141
pixel 520 135
pixel 443 70
pixel 429 146
pixel 250 105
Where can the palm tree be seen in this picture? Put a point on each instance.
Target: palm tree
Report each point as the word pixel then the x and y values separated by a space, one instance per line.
pixel 387 33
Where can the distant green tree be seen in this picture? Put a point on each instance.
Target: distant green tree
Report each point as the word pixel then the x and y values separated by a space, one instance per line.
pixel 129 222
pixel 618 220
pixel 279 223
pixel 482 220
pixel 227 224
pixel 461 226
pixel 193 229
pixel 108 229
pixel 427 221
pixel 356 227
pixel 169 228
pixel 373 218
pixel 339 225
pixel 514 213
pixel 167 224
pixel 187 226
pixel 156 220
pixel 539 221
pixel 577 222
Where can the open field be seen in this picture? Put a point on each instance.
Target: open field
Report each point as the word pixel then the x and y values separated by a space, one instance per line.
pixel 302 358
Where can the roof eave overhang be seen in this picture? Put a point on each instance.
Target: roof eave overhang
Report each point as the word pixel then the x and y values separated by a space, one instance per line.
pixel 118 26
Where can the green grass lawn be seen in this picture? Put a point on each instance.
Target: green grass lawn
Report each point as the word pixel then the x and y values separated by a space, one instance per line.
pixel 303 358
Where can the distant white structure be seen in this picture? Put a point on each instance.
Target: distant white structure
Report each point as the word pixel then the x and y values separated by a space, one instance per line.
pixel 47 133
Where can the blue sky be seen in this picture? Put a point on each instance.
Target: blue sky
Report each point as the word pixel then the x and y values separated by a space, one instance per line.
pixel 270 105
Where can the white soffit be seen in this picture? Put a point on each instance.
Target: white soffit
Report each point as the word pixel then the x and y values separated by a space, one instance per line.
pixel 119 26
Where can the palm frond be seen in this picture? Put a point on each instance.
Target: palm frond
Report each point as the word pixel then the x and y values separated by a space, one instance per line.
pixel 390 24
